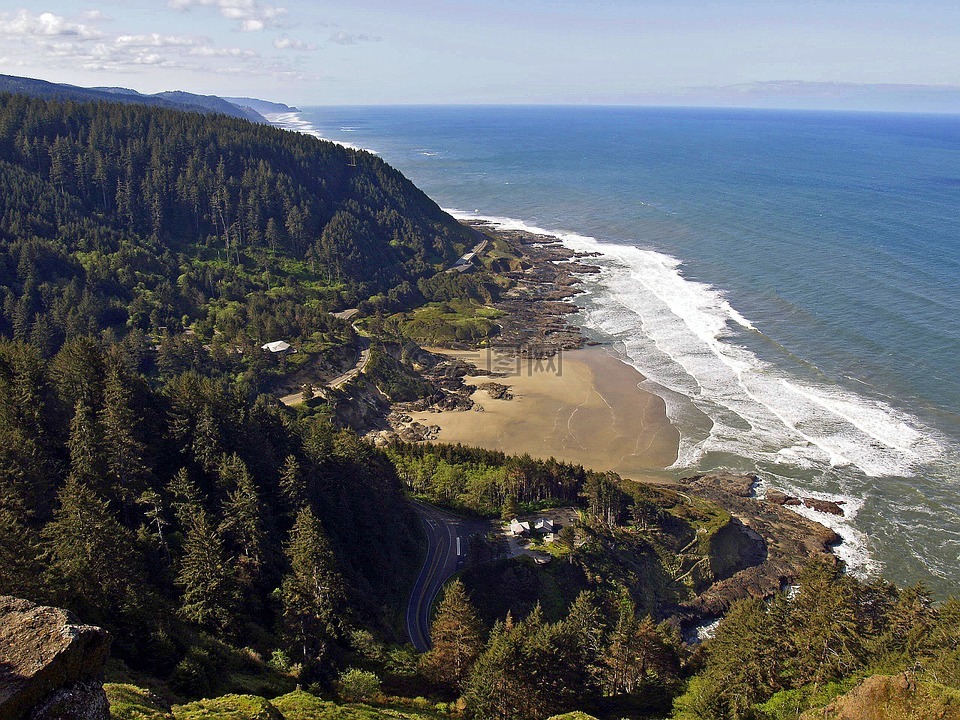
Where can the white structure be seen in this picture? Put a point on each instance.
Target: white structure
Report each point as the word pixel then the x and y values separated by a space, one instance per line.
pixel 519 528
pixel 544 525
pixel 278 346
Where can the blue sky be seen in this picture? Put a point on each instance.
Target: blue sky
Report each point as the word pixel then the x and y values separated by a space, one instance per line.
pixel 808 53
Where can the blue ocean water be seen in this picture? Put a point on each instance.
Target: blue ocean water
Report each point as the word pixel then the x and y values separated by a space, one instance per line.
pixel 788 282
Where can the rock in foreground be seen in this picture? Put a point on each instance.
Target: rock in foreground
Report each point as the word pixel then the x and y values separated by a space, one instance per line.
pixel 892 697
pixel 51 666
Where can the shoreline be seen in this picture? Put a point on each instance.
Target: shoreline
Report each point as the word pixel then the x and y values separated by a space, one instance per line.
pixel 536 325
pixel 584 406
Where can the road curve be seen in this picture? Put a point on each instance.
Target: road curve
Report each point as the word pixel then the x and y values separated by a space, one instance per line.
pixel 363 344
pixel 447 538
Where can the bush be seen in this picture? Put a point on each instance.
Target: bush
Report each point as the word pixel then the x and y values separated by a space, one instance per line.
pixel 195 675
pixel 279 661
pixel 357 685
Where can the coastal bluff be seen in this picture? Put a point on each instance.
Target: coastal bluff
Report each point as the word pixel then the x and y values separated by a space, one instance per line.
pixel 51 665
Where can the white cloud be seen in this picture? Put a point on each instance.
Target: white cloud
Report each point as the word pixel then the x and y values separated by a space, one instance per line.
pixel 286 43
pixel 158 40
pixel 95 16
pixel 25 23
pixel 231 52
pixel 250 15
pixel 345 38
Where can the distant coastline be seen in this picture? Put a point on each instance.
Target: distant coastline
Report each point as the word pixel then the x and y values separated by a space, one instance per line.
pixel 292 119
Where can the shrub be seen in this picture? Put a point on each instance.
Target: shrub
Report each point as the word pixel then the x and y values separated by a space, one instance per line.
pixel 357 685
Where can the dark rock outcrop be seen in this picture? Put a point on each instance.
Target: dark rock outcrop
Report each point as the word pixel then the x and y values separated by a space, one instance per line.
pixel 51 666
pixel 497 391
pixel 824 506
pixel 787 539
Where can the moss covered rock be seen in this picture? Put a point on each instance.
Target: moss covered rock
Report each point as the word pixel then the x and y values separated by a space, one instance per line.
pixel 129 702
pixel 892 697
pixel 228 707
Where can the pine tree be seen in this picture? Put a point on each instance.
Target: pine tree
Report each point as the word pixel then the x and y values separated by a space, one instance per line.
pixel 242 523
pixel 19 562
pixel 124 453
pixel 89 552
pixel 312 593
pixel 509 510
pixel 206 575
pixel 293 485
pixel 825 638
pixel 84 446
pixel 457 637
pixel 494 689
pixel 744 659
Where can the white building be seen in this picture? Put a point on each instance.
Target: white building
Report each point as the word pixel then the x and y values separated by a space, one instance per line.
pixel 519 528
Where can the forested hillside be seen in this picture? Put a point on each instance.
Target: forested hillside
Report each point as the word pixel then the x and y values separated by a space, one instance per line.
pixel 145 482
pixel 125 217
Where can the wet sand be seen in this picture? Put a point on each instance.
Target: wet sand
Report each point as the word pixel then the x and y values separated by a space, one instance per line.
pixel 591 412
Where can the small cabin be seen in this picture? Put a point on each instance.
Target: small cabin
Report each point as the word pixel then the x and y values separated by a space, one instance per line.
pixel 278 348
pixel 519 528
pixel 544 525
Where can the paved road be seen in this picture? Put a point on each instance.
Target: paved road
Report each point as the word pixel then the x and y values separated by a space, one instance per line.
pixel 363 344
pixel 466 260
pixel 447 536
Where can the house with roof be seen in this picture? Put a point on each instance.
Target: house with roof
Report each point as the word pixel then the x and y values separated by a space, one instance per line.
pixel 278 348
pixel 519 528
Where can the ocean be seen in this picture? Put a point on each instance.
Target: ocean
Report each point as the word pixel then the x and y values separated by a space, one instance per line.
pixel 788 282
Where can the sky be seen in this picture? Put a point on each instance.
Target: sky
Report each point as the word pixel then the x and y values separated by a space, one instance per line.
pixel 852 54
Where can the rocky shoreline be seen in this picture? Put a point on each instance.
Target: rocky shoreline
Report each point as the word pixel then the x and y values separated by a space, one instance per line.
pixel 778 543
pixel 537 306
pixel 534 326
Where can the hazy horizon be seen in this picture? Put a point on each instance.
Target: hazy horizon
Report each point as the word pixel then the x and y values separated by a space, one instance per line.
pixel 856 56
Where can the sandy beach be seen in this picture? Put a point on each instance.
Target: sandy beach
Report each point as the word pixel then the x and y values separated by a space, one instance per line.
pixel 590 410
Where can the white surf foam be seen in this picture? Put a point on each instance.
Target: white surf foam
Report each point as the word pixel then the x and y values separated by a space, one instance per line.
pixel 295 121
pixel 754 404
pixel 689 342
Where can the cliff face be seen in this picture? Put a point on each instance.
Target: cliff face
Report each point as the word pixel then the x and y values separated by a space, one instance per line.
pixel 51 666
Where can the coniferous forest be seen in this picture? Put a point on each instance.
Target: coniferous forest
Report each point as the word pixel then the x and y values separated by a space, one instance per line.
pixel 151 482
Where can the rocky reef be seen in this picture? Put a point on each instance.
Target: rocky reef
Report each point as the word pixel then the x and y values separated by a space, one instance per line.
pixel 776 544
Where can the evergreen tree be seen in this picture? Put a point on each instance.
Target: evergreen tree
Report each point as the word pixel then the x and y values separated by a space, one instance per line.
pixel 243 513
pixel 123 451
pixel 91 555
pixel 293 485
pixel 824 637
pixel 312 593
pixel 909 623
pixel 457 638
pixel 744 659
pixel 206 575
pixel 84 445
pixel 494 689
pixel 19 561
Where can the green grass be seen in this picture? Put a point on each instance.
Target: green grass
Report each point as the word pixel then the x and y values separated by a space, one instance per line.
pixel 129 702
pixel 228 707
pixel 449 322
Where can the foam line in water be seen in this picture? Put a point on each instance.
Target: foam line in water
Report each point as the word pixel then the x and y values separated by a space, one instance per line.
pixel 683 335
pixel 295 122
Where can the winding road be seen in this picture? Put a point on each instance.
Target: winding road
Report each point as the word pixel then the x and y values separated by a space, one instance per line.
pixel 363 345
pixel 447 537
